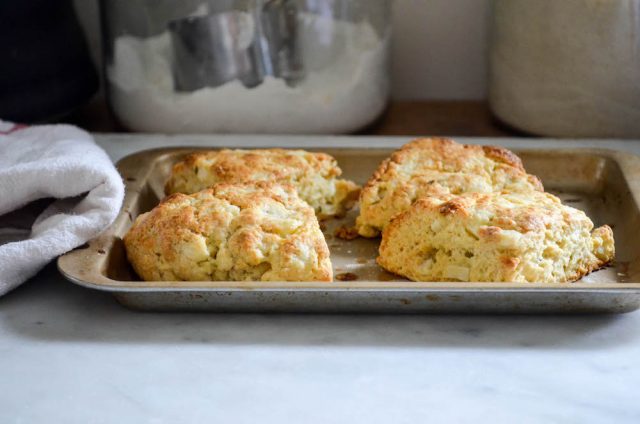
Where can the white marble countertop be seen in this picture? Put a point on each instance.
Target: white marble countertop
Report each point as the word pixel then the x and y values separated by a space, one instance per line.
pixel 72 355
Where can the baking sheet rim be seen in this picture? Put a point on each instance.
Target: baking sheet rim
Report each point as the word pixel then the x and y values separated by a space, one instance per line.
pixel 126 286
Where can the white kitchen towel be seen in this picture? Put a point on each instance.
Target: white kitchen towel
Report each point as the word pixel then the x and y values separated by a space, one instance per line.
pixel 58 162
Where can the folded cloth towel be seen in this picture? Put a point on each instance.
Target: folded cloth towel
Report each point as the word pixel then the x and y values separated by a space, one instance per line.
pixel 58 162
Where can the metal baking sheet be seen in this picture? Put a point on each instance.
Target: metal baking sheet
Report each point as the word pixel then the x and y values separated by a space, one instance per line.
pixel 604 183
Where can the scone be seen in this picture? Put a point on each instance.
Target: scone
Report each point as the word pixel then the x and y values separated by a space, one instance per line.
pixel 314 175
pixel 437 167
pixel 498 237
pixel 258 232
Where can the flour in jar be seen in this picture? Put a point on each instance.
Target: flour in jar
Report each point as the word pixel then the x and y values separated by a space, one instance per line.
pixel 345 87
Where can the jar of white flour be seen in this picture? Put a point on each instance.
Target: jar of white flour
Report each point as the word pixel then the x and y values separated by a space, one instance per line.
pixel 247 66
pixel 567 68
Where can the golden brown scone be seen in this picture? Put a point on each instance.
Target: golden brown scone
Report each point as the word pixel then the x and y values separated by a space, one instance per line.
pixel 232 232
pixel 498 237
pixel 437 167
pixel 314 175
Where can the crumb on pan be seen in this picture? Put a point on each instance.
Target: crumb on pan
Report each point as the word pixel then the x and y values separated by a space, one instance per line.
pixel 502 237
pixel 346 276
pixel 314 175
pixel 236 232
pixel 437 167
pixel 346 233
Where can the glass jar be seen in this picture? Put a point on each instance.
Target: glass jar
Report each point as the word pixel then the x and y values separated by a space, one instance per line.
pixel 248 66
pixel 567 68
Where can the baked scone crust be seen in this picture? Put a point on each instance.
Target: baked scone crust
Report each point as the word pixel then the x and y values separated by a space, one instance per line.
pixel 232 232
pixel 314 175
pixel 437 167
pixel 501 237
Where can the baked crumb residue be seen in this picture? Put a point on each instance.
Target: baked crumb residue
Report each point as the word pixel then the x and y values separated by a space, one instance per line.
pixel 346 233
pixel 346 276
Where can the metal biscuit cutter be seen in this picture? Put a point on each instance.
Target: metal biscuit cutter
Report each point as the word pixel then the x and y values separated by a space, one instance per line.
pixel 243 43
